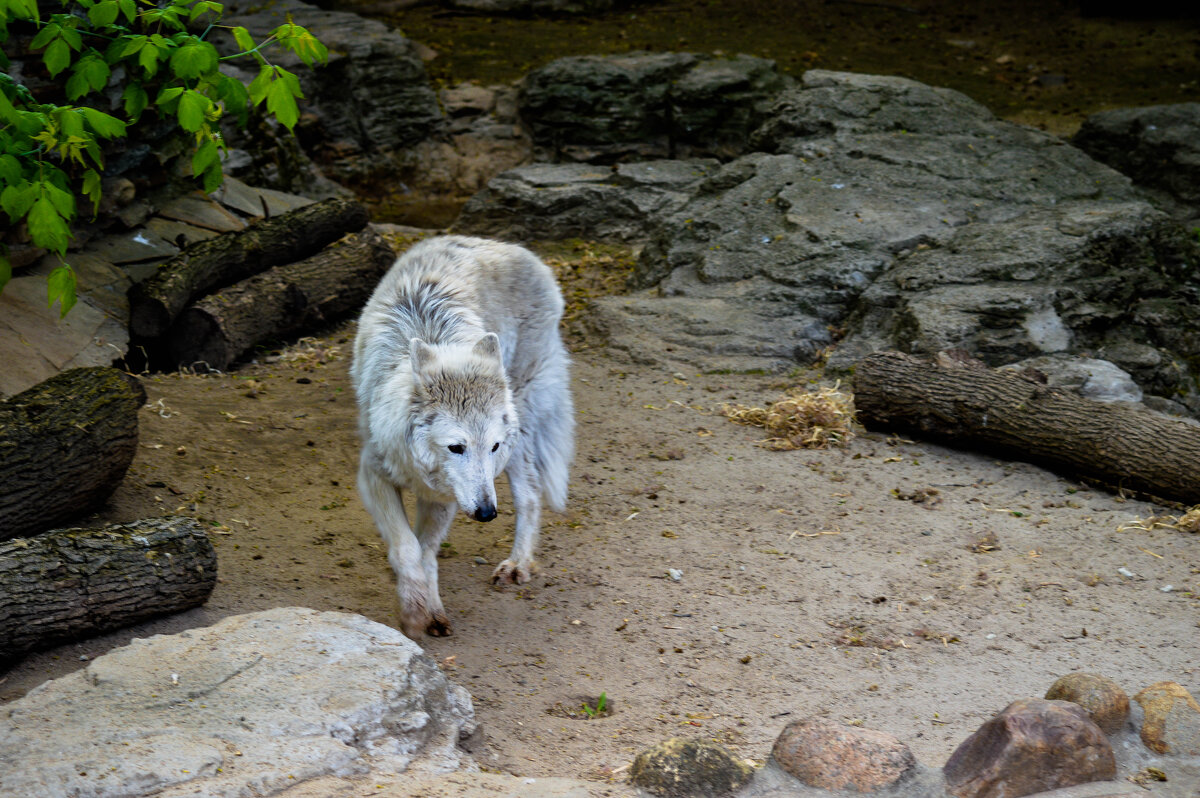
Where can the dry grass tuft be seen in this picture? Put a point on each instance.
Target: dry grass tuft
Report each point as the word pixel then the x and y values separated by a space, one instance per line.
pixel 803 420
pixel 1188 522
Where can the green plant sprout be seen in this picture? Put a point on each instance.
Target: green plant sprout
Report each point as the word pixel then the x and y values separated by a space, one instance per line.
pixel 594 712
pixel 51 155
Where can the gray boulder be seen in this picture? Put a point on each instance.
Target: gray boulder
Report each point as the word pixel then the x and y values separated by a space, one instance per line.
pixel 602 109
pixel 890 214
pixel 1158 147
pixel 363 109
pixel 556 201
pixel 253 705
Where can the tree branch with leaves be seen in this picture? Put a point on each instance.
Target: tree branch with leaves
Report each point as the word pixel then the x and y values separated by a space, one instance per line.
pixel 159 57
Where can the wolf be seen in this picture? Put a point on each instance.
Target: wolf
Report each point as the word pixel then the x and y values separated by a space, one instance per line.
pixel 460 373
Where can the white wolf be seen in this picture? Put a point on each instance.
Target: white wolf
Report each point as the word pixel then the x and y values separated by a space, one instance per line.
pixel 460 373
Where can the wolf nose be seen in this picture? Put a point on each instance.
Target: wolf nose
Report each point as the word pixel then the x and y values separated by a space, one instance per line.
pixel 486 513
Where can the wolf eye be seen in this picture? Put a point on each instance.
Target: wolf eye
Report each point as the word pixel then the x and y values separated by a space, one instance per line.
pixel 495 446
pixel 457 448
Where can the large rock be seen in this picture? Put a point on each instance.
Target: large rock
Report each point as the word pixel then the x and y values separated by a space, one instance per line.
pixel 682 768
pixel 1158 146
pixel 831 756
pixel 1031 746
pixel 556 201
pixel 1171 724
pixel 602 109
pixel 1104 700
pixel 250 706
pixel 903 216
pixel 363 109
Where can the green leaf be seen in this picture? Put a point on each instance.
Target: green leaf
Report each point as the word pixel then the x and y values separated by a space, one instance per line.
pixel 7 112
pixel 5 271
pixel 63 201
pixel 47 34
pixel 148 58
pixel 71 36
pixel 167 95
pixel 135 44
pixel 57 57
pixel 135 99
pixel 92 188
pixel 90 74
pixel 102 124
pixel 129 9
pixel 193 60
pixel 103 13
pixel 281 101
pixel 10 169
pixel 206 165
pixel 213 178
pixel 243 38
pixel 17 199
pixel 232 92
pixel 297 39
pixel 61 287
pixel 47 227
pixel 192 109
pixel 261 84
pixel 216 9
pixel 205 155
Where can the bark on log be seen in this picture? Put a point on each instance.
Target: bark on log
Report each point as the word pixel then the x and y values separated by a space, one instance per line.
pixel 221 261
pixel 65 445
pixel 282 301
pixel 69 584
pixel 971 406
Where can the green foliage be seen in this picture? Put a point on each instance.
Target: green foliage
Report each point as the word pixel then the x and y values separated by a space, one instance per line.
pixel 598 710
pixel 158 58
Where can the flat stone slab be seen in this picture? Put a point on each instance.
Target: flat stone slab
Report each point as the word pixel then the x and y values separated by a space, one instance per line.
pixel 254 705
pixel 201 211
pixel 35 344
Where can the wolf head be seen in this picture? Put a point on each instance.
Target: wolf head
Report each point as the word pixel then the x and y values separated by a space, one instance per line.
pixel 465 423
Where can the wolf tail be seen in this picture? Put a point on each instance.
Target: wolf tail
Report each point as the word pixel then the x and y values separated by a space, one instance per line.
pixel 549 422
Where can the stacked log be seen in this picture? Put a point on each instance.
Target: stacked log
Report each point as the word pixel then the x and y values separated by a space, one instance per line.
pixel 65 445
pixel 72 583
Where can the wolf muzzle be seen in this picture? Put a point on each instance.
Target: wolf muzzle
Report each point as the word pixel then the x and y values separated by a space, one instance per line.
pixel 485 512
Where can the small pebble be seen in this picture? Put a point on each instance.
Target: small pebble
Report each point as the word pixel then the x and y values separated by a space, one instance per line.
pixel 480 561
pixel 675 574
pixel 1125 572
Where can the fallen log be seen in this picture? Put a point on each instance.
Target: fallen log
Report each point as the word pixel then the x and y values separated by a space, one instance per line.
pixel 69 584
pixel 65 445
pixel 221 261
pixel 282 301
pixel 966 404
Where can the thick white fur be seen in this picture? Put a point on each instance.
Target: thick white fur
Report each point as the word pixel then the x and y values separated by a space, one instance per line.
pixel 459 346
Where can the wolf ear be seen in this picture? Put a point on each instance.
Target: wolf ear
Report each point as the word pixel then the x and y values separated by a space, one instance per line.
pixel 421 354
pixel 487 346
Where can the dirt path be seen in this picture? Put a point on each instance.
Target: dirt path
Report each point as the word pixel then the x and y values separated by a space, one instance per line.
pixel 807 585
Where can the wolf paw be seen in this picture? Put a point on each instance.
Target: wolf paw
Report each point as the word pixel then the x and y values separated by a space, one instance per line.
pixel 509 571
pixel 439 626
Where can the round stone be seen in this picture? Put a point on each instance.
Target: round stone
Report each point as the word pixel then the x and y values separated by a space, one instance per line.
pixel 682 768
pixel 1103 699
pixel 831 756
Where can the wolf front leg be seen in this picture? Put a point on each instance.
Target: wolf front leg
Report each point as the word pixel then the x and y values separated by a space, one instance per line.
pixel 433 522
pixel 382 500
pixel 527 501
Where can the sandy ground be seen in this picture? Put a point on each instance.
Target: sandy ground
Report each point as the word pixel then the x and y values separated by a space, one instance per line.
pixel 893 584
